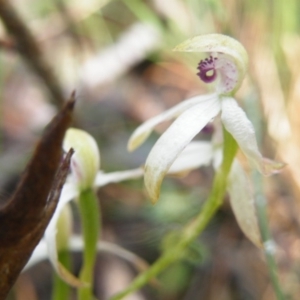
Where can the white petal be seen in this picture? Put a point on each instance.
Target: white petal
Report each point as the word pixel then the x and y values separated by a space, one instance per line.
pixel 76 244
pixel 237 123
pixel 242 203
pixel 40 253
pixel 143 131
pixel 174 140
pixel 106 178
pixel 68 193
pixel 195 155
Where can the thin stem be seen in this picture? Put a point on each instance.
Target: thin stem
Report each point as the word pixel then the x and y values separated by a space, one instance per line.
pixel 261 203
pixel 61 290
pixel 269 245
pixel 193 229
pixel 90 219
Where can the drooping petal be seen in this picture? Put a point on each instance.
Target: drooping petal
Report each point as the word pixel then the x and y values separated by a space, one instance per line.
pixel 106 178
pixel 174 140
pixel 76 243
pixel 143 131
pixel 242 203
pixel 69 192
pixel 237 123
pixel 227 55
pixel 195 155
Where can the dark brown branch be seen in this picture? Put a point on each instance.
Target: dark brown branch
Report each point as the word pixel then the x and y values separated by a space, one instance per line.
pixel 28 48
pixel 26 215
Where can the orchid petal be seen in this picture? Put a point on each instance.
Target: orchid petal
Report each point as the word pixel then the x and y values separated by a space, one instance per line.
pixel 237 123
pixel 106 178
pixel 242 203
pixel 143 131
pixel 231 52
pixel 76 243
pixel 40 253
pixel 69 192
pixel 195 155
pixel 174 140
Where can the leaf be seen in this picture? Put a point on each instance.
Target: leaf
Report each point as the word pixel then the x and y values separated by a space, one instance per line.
pixel 27 213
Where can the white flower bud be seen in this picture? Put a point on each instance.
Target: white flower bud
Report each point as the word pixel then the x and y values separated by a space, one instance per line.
pixel 86 159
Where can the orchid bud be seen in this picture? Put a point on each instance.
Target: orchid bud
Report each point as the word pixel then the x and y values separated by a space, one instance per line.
pixel 86 159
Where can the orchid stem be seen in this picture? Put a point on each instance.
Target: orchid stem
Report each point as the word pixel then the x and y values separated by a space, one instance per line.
pixel 269 245
pixel 61 290
pixel 261 203
pixel 194 229
pixel 90 218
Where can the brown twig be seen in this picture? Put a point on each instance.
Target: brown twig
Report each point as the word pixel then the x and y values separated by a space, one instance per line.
pixel 27 213
pixel 28 48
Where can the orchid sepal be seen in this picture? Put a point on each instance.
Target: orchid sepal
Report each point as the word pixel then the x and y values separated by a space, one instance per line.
pixel 173 141
pixel 236 122
pixel 143 131
pixel 242 203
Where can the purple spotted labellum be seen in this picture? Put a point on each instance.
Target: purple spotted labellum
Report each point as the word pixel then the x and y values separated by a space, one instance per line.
pixel 222 66
pixel 207 69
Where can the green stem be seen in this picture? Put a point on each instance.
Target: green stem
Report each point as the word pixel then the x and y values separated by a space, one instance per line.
pixel 266 235
pixel 193 229
pixel 61 290
pixel 90 219
pixel 254 112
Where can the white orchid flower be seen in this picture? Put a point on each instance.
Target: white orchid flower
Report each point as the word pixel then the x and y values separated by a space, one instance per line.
pixel 85 173
pixel 226 65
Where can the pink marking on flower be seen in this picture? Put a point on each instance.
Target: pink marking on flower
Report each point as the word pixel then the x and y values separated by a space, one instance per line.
pixel 207 69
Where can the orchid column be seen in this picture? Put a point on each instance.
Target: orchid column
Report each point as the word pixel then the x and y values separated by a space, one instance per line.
pixel 85 164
